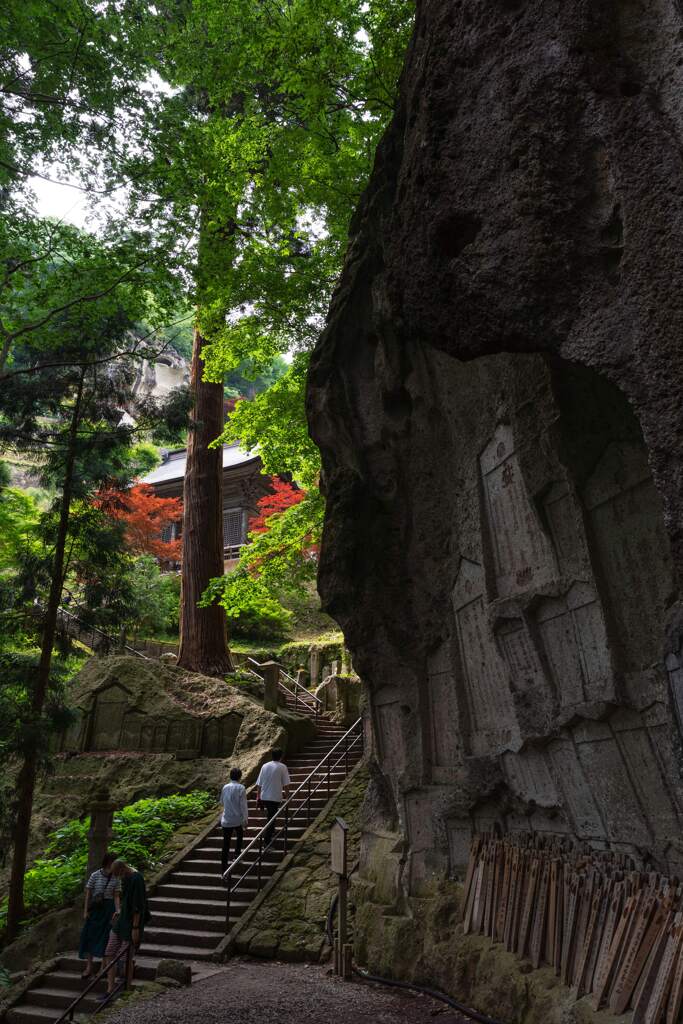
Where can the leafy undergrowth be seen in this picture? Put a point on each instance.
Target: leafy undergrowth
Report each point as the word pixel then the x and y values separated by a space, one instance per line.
pixel 140 833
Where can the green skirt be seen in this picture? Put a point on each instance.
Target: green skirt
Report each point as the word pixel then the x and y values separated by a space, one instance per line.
pixel 95 931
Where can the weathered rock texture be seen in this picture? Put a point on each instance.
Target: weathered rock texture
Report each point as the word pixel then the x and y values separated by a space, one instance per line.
pixel 129 736
pixel 125 704
pixel 497 398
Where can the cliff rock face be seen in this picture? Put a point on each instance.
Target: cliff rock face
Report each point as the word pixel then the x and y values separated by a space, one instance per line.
pixel 497 398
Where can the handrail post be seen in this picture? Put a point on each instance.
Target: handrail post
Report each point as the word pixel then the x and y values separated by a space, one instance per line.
pixel 127 966
pixel 260 861
pixel 328 779
pixel 308 803
pixel 286 826
pixel 227 904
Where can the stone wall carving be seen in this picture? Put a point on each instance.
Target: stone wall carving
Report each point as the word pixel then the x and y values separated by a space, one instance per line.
pixel 544 674
pixel 110 720
pixel 499 387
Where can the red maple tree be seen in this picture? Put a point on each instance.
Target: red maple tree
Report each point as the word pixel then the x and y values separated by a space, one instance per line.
pixel 283 496
pixel 145 516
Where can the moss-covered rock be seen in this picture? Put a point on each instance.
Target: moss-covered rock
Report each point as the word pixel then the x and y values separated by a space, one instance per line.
pixel 425 944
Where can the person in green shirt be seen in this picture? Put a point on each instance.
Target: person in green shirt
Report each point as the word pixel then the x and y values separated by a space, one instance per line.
pixel 128 924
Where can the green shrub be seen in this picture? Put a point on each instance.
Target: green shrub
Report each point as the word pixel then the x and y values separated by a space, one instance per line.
pixel 140 832
pixel 250 610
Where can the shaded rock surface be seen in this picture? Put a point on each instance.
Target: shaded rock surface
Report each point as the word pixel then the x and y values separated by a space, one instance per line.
pixel 497 398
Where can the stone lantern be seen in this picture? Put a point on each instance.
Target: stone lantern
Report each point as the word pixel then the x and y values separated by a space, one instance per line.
pixel 100 831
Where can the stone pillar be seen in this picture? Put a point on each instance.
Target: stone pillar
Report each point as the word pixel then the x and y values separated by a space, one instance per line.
pixel 100 831
pixel 302 677
pixel 271 674
pixel 314 665
pixel 346 667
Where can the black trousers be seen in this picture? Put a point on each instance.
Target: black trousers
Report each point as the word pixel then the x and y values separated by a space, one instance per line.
pixel 272 807
pixel 227 836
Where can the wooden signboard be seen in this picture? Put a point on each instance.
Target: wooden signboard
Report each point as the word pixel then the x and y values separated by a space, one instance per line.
pixel 634 958
pixel 338 839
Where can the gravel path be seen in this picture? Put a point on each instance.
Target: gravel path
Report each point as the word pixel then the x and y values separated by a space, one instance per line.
pixel 250 992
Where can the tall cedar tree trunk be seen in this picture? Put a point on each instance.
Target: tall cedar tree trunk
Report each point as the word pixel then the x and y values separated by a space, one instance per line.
pixel 26 781
pixel 203 632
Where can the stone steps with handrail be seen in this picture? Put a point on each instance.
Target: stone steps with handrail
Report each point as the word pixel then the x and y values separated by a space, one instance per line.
pixel 192 907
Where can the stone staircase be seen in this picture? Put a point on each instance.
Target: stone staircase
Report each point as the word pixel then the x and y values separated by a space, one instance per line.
pixel 188 906
pixel 58 988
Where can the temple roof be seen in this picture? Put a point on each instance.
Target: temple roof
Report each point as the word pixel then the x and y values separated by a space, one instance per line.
pixel 173 466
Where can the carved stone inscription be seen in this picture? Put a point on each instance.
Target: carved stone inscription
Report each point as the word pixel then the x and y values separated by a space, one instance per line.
pixel 525 670
pixel 572 783
pixel 642 758
pixel 523 555
pixel 446 750
pixel 492 716
pixel 632 549
pixel 529 779
pixel 219 735
pixel 116 726
pixel 564 518
pixel 110 707
pixel 575 643
pixel 674 666
pixel 604 766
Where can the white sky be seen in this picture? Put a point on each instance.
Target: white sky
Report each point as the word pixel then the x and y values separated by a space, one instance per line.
pixel 62 201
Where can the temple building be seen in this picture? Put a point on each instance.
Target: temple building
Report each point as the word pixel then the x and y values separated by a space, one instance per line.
pixel 243 484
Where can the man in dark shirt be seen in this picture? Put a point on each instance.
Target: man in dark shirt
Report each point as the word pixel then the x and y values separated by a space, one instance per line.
pixel 129 924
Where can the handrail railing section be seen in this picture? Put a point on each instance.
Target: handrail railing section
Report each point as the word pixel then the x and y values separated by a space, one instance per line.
pixel 298 692
pixel 122 983
pixel 296 806
pixel 96 631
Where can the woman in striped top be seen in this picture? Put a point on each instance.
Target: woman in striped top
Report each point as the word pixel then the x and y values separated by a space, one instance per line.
pixel 102 898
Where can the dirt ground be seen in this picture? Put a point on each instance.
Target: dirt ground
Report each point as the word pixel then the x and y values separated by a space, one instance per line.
pixel 250 992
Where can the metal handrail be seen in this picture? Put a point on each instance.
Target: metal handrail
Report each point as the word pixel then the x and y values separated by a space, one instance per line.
pixel 317 701
pixel 95 629
pixel 284 815
pixel 71 1008
pixel 308 699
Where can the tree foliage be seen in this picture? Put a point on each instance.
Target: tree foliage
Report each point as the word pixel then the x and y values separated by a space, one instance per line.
pixel 144 516
pixel 281 496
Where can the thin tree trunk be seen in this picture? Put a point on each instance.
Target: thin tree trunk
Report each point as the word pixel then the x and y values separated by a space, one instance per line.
pixel 203 631
pixel 26 781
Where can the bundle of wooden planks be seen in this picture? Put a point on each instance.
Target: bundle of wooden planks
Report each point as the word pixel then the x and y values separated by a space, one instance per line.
pixel 607 930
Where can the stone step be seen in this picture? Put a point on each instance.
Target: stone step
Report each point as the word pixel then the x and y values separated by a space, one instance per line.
pixel 59 999
pixel 210 879
pixel 27 1013
pixel 186 922
pixel 183 903
pixel 188 936
pixel 71 981
pixel 296 827
pixel 210 860
pixel 177 952
pixel 204 895
pixel 145 966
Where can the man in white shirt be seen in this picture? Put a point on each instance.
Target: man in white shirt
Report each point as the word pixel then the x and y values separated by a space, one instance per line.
pixel 235 815
pixel 271 789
